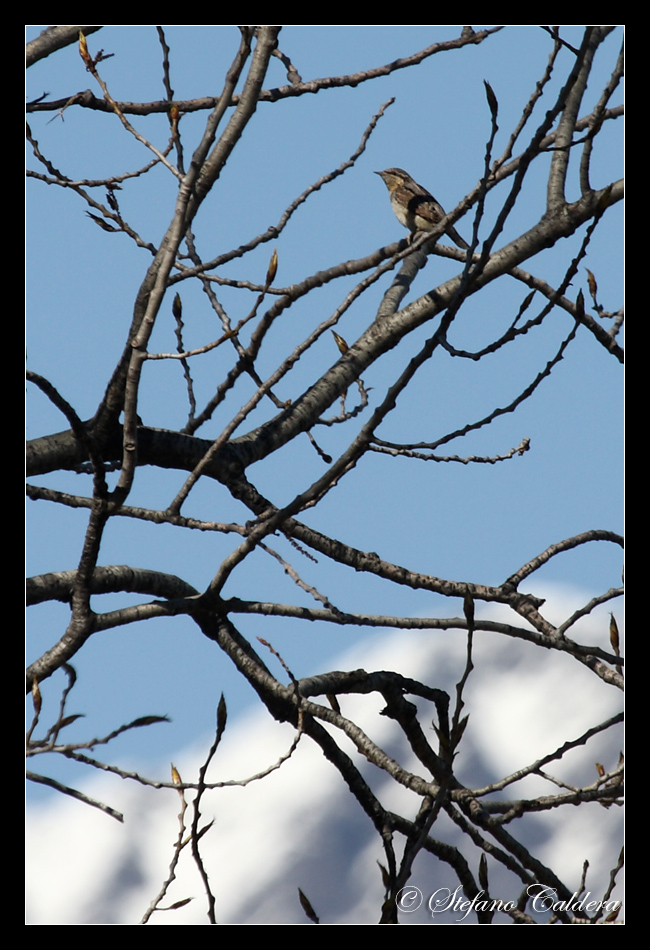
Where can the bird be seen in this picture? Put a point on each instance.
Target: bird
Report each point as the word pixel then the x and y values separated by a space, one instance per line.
pixel 414 207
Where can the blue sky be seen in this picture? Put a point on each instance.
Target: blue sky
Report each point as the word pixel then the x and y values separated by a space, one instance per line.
pixel 475 523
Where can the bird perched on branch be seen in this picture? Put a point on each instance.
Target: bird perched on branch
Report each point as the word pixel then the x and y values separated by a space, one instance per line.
pixel 414 207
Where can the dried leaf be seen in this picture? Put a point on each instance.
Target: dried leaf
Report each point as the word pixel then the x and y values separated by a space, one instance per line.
pixel 69 719
pixel 605 199
pixel 147 721
pixel 613 635
pixel 273 268
pixel 483 873
pixel 527 302
pixel 334 703
pixel 104 225
pixel 340 342
pixel 443 738
pixel 178 904
pixel 306 906
pixel 462 725
pixel 204 830
pixel 83 51
pixel 492 100
pixel 37 699
pixel 593 286
pixel 385 876
pixel 468 608
pixel 222 715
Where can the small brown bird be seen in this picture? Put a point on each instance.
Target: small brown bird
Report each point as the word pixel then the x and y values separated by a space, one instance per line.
pixel 414 207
